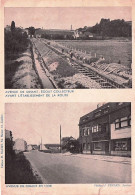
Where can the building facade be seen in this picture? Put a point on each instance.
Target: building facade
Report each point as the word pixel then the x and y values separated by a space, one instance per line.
pixel 107 130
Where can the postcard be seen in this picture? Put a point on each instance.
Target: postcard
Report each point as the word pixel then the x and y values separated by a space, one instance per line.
pixel 67 97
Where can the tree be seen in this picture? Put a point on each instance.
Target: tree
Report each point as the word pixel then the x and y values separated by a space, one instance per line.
pixel 31 30
pixel 70 144
pixel 25 36
pixel 111 28
pixel 12 26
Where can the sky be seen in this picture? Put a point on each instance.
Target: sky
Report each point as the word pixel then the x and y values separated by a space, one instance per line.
pixel 31 121
pixel 63 18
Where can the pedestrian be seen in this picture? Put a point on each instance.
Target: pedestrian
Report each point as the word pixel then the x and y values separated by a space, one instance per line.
pixel 119 62
pixel 71 54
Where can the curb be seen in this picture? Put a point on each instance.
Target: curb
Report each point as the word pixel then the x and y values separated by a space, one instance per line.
pixel 122 162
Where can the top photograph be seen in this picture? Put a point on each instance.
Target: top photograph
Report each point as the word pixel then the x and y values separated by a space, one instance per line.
pixel 68 47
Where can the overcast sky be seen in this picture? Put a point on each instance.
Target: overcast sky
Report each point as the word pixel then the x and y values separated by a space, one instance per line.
pixel 30 121
pixel 63 18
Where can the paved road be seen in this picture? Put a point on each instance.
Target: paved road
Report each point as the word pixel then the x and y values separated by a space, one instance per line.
pixel 58 169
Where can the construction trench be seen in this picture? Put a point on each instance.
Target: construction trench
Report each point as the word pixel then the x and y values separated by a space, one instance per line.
pixel 50 78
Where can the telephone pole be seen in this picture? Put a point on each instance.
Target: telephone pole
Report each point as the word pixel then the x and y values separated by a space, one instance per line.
pixel 41 143
pixel 60 138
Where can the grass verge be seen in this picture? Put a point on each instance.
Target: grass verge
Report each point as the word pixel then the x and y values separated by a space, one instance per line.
pixel 18 170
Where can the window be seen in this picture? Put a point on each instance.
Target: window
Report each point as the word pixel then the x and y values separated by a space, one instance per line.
pixel 120 145
pixel 82 132
pixel 99 127
pixel 85 131
pixel 94 129
pixel 97 146
pixel 123 122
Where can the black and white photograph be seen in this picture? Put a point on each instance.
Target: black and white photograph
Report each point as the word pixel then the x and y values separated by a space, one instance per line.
pixel 68 47
pixel 68 143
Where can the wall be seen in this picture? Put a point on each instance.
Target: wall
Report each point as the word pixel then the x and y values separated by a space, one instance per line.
pixel 120 133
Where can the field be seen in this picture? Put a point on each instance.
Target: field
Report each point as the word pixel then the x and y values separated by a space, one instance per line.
pixel 112 50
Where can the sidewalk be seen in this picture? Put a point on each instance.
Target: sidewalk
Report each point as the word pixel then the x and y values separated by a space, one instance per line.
pixel 115 159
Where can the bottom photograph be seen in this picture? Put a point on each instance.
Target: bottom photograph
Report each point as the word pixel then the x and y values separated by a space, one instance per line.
pixel 68 143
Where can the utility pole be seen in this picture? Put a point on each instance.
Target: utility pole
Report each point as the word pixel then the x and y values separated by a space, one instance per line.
pixel 41 143
pixel 60 138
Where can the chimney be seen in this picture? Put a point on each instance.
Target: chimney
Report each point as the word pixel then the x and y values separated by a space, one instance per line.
pixel 71 27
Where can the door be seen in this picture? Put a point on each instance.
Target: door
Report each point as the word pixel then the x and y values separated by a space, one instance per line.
pixel 106 147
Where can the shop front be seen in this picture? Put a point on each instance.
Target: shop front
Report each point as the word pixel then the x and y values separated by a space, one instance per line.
pixel 100 147
pixel 121 147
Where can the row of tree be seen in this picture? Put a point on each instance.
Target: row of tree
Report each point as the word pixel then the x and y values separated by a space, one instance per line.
pixel 110 28
pixel 15 40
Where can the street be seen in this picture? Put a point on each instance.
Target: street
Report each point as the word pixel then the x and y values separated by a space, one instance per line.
pixel 58 169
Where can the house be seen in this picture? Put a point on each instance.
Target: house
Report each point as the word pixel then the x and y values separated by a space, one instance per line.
pixel 7 28
pixel 29 147
pixel 106 129
pixel 20 145
pixel 83 34
pixel 32 147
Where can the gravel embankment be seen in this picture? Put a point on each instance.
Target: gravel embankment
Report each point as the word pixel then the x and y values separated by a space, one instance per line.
pixel 63 73
pixel 24 75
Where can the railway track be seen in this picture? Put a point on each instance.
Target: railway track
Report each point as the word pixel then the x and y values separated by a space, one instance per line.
pixel 103 81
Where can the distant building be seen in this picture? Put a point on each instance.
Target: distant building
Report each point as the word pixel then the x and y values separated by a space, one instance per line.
pixel 83 34
pixel 107 130
pixel 50 148
pixel 20 145
pixel 32 147
pixel 29 147
pixel 54 33
pixel 43 147
pixel 8 28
